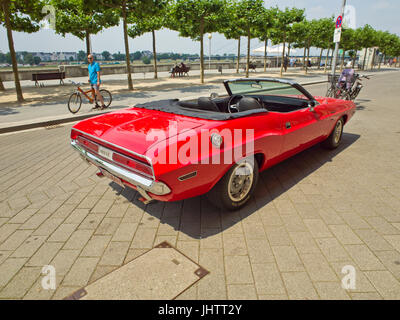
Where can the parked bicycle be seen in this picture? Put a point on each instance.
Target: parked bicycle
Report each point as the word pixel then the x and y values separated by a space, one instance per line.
pixel 75 100
pixel 341 91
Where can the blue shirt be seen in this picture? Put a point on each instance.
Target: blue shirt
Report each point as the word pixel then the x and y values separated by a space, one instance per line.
pixel 93 68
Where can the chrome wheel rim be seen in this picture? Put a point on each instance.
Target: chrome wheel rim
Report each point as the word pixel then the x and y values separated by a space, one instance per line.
pixel 338 131
pixel 241 181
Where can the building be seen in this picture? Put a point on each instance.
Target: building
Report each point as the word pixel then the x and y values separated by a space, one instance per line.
pixel 64 56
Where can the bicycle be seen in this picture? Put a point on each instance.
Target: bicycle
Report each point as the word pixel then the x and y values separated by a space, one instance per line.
pixel 340 90
pixel 75 100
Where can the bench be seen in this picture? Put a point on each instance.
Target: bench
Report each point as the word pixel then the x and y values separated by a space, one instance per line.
pixel 48 76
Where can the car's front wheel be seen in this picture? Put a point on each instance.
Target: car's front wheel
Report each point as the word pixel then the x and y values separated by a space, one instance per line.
pixel 236 187
pixel 335 137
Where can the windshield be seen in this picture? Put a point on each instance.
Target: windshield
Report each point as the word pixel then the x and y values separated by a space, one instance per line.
pixel 263 87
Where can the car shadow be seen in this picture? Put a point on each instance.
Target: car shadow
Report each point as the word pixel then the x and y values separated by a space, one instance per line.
pixel 197 218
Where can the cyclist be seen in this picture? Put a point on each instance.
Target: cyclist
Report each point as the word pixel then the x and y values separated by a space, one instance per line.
pixel 95 81
pixel 347 76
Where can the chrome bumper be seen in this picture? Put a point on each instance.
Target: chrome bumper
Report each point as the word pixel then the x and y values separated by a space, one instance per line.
pixel 142 184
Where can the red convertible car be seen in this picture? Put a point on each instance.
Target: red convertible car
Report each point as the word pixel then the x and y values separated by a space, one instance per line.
pixel 172 150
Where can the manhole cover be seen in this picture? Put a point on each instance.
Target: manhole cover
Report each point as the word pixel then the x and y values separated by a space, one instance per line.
pixel 160 274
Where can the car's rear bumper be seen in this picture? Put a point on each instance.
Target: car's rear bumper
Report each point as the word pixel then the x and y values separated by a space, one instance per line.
pixel 142 184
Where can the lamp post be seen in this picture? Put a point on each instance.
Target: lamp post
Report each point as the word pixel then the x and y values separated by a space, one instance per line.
pixel 209 54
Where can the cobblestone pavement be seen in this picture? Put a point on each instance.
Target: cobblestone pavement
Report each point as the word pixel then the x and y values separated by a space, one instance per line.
pixel 311 216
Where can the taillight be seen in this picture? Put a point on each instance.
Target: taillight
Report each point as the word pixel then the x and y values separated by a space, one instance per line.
pixel 133 164
pixel 88 144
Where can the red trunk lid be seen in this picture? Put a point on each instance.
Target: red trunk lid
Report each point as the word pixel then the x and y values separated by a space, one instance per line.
pixel 131 128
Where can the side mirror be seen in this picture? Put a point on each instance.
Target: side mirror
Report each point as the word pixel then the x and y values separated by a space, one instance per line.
pixel 311 106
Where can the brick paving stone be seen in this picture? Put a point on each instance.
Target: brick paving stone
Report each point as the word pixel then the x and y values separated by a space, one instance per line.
pixel 15 240
pixel 391 260
pixel 114 254
pixel 331 291
pixel 23 215
pixel 96 246
pixel 344 234
pixel 91 221
pixel 373 240
pixel 259 251
pixel 101 271
pixel 238 270
pixel 7 230
pixel 212 260
pixel 332 249
pixel 299 286
pixel 144 238
pixel 278 236
pixel 48 227
pixel 394 241
pixel 189 248
pixel 317 267
pixel 45 254
pixel 21 283
pixel 77 216
pixel 78 239
pixel 35 221
pixel 4 255
pixel 235 244
pixel 63 261
pixel 382 226
pixel 212 287
pixel 108 226
pixel 80 272
pixel 29 247
pixel 267 279
pixel 172 240
pixel 364 257
pixel 63 232
pixel 125 232
pixel 287 259
pixel 241 292
pixel 211 239
pixel 9 268
pixel 304 242
pixel 365 296
pixel 318 228
pixel 386 284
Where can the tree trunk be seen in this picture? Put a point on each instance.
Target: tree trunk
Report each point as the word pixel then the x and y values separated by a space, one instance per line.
pixel 304 58
pixel 154 54
pixel 87 36
pixel 342 64
pixel 326 60
pixel 354 61
pixel 365 59
pixel 289 47
pixel 6 11
pixel 202 51
pixel 283 54
pixel 248 53
pixel 320 59
pixel 127 58
pixel 238 59
pixel 265 55
pixel 333 52
pixel 2 85
pixel 308 57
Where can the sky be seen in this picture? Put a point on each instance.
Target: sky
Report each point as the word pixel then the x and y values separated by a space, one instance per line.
pixel 380 14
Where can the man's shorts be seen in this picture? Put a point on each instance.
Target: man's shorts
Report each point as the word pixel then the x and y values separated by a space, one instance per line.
pixel 95 86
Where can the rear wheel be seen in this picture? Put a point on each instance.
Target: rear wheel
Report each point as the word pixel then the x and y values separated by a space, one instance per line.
pixel 335 137
pixel 74 103
pixel 107 97
pixel 236 187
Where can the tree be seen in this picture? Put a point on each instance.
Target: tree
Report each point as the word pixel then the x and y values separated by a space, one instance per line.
pixel 127 10
pixel 264 31
pixel 82 56
pixel 28 59
pixel 106 55
pixel 22 16
pixel 302 34
pixel 195 18
pixel 247 17
pixel 367 38
pixel 151 24
pixel 82 19
pixel 283 23
pixel 323 35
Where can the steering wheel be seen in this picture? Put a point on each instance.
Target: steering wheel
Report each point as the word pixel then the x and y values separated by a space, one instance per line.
pixel 233 103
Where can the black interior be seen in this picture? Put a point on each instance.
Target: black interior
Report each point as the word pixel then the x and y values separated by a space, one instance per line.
pixel 249 102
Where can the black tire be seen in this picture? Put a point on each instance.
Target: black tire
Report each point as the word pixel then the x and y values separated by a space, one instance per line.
pixel 107 97
pixel 334 139
pixel 221 196
pixel 74 103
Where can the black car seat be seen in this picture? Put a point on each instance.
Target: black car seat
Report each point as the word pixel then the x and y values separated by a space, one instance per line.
pixel 207 104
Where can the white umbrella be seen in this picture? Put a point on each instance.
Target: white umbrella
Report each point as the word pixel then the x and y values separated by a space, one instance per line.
pixel 275 49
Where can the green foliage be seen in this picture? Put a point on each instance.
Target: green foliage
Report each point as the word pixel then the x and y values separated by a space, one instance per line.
pixel 82 56
pixel 284 22
pixel 25 15
pixel 82 17
pixel 106 55
pixel 146 60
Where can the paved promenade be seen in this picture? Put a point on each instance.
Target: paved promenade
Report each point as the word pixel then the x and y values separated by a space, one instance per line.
pixel 312 215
